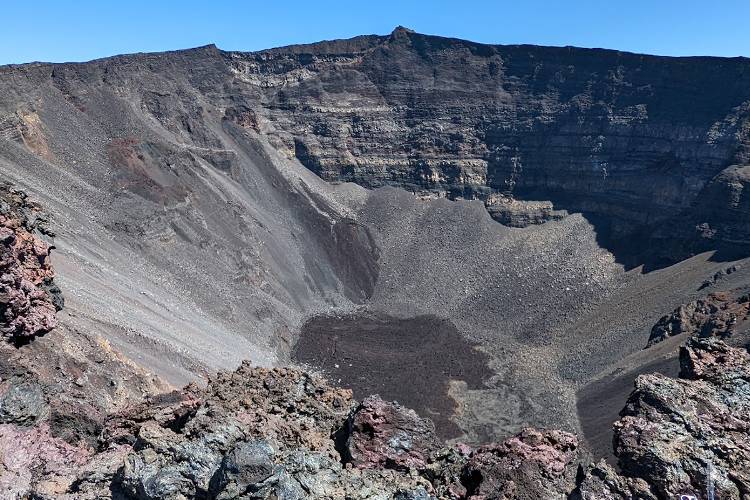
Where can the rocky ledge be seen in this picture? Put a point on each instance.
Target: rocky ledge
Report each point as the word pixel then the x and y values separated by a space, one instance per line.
pixel 716 315
pixel 285 433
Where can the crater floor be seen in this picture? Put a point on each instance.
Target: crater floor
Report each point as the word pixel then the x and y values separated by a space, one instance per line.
pixel 410 360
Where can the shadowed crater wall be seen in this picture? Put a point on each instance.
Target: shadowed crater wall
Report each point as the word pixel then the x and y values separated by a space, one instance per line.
pixel 641 145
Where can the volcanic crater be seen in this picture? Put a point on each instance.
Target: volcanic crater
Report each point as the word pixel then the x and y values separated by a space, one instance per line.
pixel 484 233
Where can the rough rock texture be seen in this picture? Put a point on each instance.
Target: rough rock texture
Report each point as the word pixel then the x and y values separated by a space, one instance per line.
pixel 283 433
pixel 516 213
pixel 388 435
pixel 601 481
pixel 720 276
pixel 254 432
pixel 55 395
pixel 56 389
pixel 675 433
pixel 28 296
pixel 533 464
pixel 719 314
pixel 721 211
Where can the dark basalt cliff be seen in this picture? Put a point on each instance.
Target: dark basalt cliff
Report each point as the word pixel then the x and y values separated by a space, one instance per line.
pixel 640 144
pixel 647 146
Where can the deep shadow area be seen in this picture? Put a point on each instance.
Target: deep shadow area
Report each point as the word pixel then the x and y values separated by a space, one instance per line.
pixel 667 235
pixel 600 402
pixel 661 246
pixel 408 360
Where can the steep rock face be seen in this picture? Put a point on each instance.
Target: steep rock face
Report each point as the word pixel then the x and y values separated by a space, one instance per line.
pixel 723 208
pixel 631 140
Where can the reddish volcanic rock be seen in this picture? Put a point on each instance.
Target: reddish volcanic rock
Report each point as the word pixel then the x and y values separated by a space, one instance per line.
pixel 383 434
pixel 532 464
pixel 676 434
pixel 716 315
pixel 27 308
pixel 712 361
pixel 28 453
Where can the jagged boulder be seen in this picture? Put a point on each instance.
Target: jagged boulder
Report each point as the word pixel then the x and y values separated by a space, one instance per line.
pixel 32 460
pixel 716 315
pixel 679 435
pixel 252 433
pixel 245 466
pixel 283 433
pixel 601 481
pixel 23 404
pixel 28 297
pixel 383 434
pixel 532 464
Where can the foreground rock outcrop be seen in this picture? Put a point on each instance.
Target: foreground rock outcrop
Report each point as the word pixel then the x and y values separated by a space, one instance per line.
pixel 28 296
pixel 284 433
pixel 681 435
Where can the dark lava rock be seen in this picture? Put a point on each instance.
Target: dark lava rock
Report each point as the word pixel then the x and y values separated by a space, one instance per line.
pixel 255 433
pixel 417 494
pixel 602 481
pixel 516 213
pixel 716 315
pixel 23 404
pixel 367 352
pixel 246 465
pixel 719 276
pixel 260 433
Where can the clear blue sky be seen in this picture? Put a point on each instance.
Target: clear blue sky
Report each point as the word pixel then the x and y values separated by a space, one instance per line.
pixel 59 31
